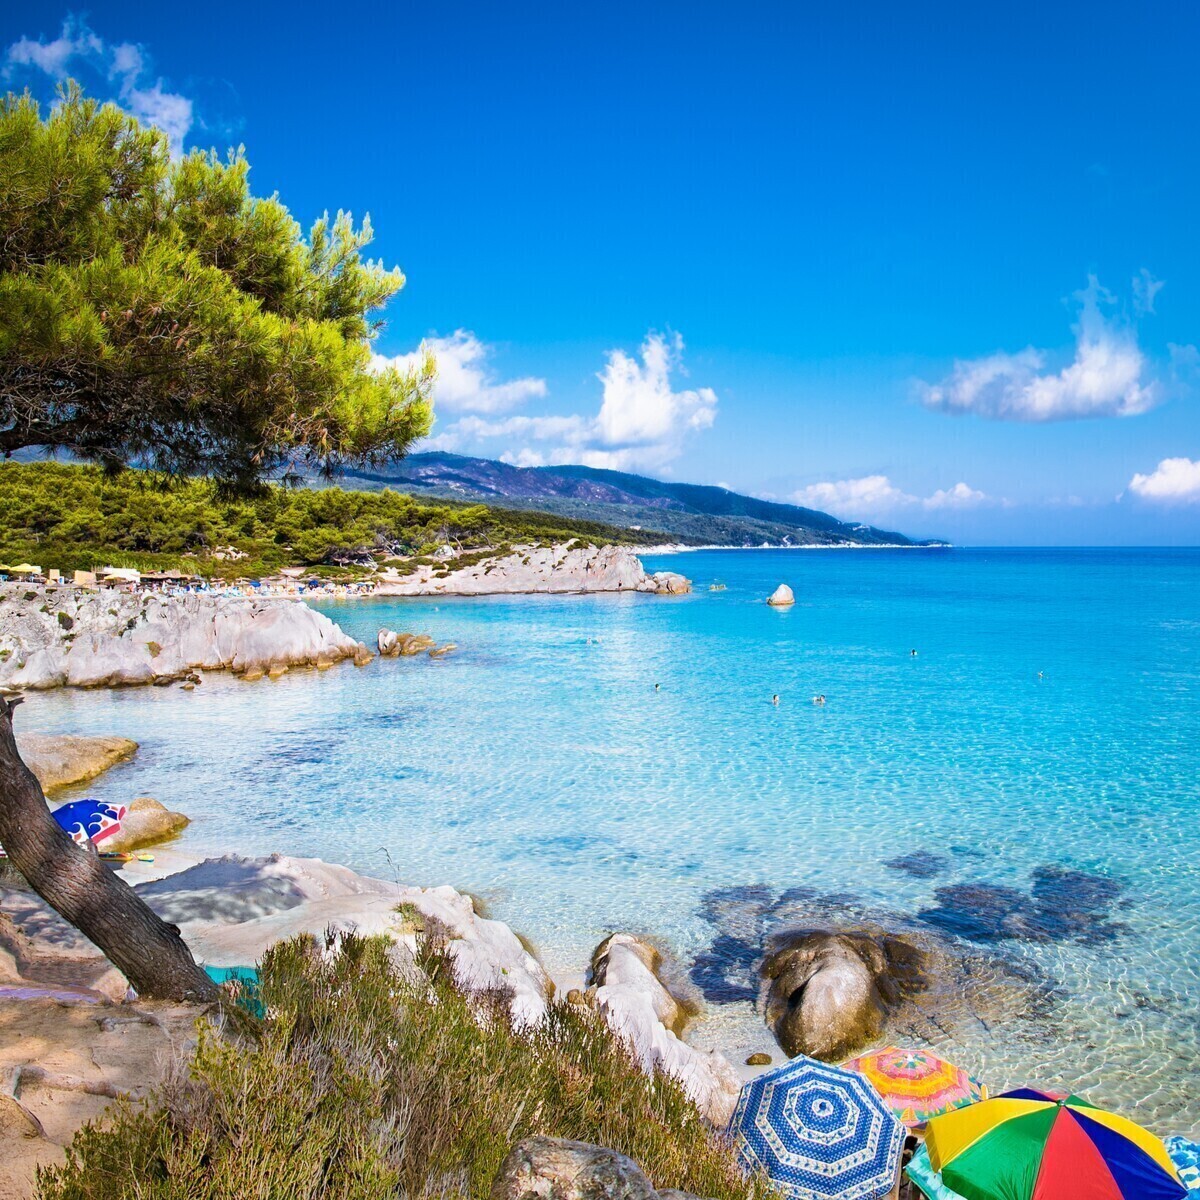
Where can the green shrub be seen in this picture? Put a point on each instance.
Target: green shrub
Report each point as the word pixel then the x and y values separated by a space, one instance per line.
pixel 77 518
pixel 368 1081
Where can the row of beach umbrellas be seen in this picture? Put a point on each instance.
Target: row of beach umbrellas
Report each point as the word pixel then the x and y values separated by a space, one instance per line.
pixel 820 1132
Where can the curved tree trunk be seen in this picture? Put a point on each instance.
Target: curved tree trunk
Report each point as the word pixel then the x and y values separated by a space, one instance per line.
pixel 78 886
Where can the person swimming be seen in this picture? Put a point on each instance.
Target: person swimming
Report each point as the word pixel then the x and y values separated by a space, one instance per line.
pixel 775 699
pixel 819 699
pixel 657 686
pixel 913 653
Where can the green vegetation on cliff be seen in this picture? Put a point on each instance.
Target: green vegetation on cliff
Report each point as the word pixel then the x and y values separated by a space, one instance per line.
pixel 77 517
pixel 367 1081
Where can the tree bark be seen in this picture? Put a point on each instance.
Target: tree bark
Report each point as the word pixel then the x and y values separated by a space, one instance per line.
pixel 77 885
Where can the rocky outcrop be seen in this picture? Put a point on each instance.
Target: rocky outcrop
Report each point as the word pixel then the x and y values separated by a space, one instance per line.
pixel 404 645
pixel 146 823
pixel 639 1009
pixel 111 639
pixel 60 760
pixel 781 597
pixel 670 583
pixel 546 1168
pixel 829 994
pixel 564 568
pixel 231 909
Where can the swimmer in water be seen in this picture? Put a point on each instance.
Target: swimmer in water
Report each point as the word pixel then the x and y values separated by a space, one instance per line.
pixel 913 653
pixel 657 686
pixel 775 699
pixel 818 699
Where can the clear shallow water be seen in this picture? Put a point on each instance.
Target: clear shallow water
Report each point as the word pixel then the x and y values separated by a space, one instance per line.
pixel 539 768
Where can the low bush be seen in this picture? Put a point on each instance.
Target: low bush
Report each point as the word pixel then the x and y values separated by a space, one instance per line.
pixel 370 1079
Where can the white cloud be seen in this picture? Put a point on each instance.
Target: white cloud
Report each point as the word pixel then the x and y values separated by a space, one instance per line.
pixel 465 383
pixel 1105 379
pixel 126 65
pixel 871 493
pixel 876 494
pixel 639 408
pixel 959 496
pixel 642 422
pixel 1145 288
pixel 1173 481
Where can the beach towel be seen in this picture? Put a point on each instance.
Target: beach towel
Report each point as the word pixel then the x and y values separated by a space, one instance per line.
pixel 920 1171
pixel 1186 1157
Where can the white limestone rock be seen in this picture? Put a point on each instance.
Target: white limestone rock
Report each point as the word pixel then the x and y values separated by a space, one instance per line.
pixel 639 1009
pixel 781 597
pixel 116 639
pixel 564 568
pixel 231 909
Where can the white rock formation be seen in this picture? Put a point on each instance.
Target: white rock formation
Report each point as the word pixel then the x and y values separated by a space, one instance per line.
pixel 66 638
pixel 564 568
pixel 781 597
pixel 639 1009
pixel 231 909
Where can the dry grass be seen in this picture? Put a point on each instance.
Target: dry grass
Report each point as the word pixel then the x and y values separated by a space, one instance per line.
pixel 372 1079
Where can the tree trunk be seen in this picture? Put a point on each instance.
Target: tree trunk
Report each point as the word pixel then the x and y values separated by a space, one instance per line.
pixel 78 886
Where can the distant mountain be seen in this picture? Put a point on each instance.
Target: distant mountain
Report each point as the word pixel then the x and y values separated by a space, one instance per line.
pixel 691 513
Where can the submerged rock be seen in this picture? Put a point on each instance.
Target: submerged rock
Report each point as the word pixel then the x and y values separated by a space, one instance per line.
pixel 1063 904
pixel 781 597
pixel 829 993
pixel 951 986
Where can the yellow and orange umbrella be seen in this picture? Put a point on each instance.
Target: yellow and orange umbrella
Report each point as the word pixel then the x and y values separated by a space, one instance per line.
pixel 917 1085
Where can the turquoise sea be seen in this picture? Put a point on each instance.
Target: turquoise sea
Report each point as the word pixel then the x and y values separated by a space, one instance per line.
pixel 1027 785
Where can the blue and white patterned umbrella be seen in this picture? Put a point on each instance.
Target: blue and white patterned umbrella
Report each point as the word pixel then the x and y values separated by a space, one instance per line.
pixel 817 1131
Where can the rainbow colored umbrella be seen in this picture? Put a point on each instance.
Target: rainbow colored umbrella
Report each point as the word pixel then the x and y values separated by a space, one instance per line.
pixel 917 1085
pixel 1028 1145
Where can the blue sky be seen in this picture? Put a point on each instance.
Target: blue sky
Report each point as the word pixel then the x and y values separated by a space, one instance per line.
pixel 933 266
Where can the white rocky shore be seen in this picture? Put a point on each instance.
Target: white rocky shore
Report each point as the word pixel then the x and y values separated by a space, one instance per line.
pixel 563 568
pixel 61 637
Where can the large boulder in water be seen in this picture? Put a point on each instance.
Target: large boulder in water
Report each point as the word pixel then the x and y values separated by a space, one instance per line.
pixel 60 760
pixel 146 824
pixel 829 994
pixel 781 597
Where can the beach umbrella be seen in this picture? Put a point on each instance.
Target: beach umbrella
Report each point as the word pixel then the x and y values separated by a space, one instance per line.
pixel 917 1085
pixel 90 820
pixel 817 1131
pixel 1032 1145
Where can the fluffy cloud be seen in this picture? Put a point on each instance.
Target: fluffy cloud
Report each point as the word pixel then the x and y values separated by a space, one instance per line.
pixel 1105 378
pixel 1173 481
pixel 465 383
pixel 639 408
pixel 959 496
pixel 124 65
pixel 873 494
pixel 643 423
